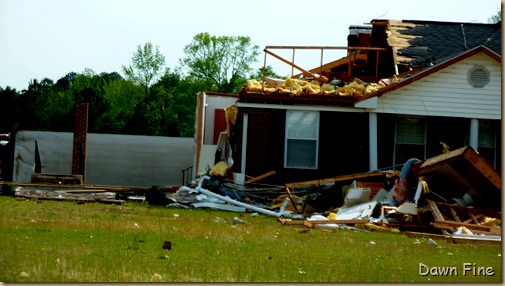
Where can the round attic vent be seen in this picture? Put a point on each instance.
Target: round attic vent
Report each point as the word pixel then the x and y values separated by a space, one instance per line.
pixel 478 76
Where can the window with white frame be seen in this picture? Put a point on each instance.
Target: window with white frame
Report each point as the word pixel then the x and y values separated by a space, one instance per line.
pixel 302 136
pixel 410 139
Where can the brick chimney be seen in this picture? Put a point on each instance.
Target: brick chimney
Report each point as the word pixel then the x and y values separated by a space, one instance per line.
pixel 80 140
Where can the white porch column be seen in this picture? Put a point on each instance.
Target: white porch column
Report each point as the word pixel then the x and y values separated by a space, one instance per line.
pixel 244 142
pixel 474 133
pixel 372 130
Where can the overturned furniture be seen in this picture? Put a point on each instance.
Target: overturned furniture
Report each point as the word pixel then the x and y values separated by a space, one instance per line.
pixel 463 176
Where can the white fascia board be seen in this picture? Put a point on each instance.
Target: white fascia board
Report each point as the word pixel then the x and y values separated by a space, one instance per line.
pixel 300 107
pixel 368 103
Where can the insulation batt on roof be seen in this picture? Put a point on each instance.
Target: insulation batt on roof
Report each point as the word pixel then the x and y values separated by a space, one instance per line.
pixel 296 87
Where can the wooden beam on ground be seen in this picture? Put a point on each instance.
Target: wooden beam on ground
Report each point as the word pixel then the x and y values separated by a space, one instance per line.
pixel 83 191
pixel 341 221
pixel 451 225
pixel 308 224
pixel 267 174
pixel 289 221
pixel 90 187
pixel 57 178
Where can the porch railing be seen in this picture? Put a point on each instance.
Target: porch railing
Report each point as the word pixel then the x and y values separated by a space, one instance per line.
pixel 187 175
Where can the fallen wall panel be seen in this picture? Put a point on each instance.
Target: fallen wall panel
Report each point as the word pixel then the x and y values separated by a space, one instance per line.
pixel 122 160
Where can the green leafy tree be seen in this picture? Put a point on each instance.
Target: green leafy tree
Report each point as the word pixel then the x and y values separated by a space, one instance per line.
pixel 9 110
pixel 123 96
pixel 495 18
pixel 88 87
pixel 222 62
pixel 162 116
pixel 35 105
pixel 171 110
pixel 147 65
pixel 185 101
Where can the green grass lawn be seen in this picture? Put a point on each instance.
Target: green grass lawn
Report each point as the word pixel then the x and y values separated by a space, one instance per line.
pixel 50 241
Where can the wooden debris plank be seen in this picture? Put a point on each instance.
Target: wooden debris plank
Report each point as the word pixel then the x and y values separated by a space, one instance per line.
pixel 454 214
pixel 267 174
pixel 434 209
pixel 474 218
pixel 336 179
pixel 343 221
pixel 290 63
pixel 289 221
pixel 493 230
pixel 91 187
pixel 308 224
pixel 80 191
pixel 291 199
pixel 472 224
pixel 57 178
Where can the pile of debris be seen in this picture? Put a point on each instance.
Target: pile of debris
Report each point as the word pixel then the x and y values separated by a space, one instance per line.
pixel 297 87
pixel 455 196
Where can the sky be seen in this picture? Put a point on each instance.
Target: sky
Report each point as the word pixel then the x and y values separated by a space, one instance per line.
pixel 50 38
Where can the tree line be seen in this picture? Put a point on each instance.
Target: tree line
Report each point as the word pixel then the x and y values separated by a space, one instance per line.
pixel 148 99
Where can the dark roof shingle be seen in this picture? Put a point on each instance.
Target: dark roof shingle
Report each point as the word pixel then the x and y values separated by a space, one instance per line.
pixel 419 43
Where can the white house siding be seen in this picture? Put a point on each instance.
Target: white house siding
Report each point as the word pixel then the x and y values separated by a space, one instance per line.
pixel 448 93
pixel 121 160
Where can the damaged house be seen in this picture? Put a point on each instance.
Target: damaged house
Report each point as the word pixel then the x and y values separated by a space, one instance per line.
pixel 421 88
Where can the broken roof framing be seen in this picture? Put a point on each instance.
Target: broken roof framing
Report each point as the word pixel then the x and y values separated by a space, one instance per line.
pixel 322 72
